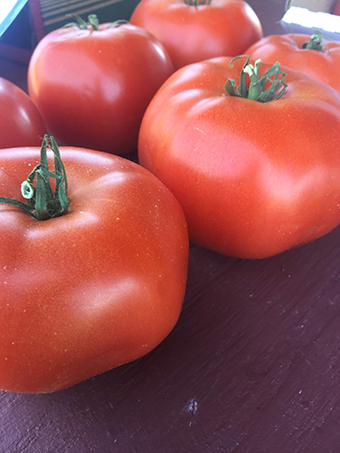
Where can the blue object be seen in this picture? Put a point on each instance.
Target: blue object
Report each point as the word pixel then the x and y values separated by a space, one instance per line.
pixel 9 9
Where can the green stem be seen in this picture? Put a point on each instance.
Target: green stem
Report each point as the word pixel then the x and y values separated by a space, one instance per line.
pixel 256 90
pixel 44 203
pixel 93 21
pixel 315 42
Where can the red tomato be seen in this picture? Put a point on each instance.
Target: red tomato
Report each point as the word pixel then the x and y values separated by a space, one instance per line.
pixel 321 63
pixel 337 9
pixel 91 289
pixel 20 121
pixel 93 86
pixel 192 33
pixel 253 178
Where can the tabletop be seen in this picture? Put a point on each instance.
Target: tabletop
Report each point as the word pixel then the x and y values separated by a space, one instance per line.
pixel 252 366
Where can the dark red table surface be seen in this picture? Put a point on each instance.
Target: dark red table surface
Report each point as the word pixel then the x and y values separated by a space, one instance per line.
pixel 253 365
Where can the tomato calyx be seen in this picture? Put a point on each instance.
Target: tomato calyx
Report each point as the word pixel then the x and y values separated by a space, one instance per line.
pixel 43 202
pixel 256 90
pixel 93 22
pixel 315 42
pixel 197 2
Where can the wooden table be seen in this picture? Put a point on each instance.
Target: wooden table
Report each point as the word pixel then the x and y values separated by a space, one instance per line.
pixel 253 365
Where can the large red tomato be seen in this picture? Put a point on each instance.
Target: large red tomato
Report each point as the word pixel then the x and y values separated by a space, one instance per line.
pixel 20 121
pixel 307 54
pixel 255 173
pixel 193 31
pixel 92 86
pixel 96 287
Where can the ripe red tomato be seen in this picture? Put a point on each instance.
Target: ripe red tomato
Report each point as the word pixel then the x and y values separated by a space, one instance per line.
pixel 253 178
pixel 193 31
pixel 318 62
pixel 93 86
pixel 337 9
pixel 91 289
pixel 20 121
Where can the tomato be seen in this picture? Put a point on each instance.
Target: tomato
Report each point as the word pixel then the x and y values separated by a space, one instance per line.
pixel 193 31
pixel 92 86
pixel 20 121
pixel 253 178
pixel 319 62
pixel 94 288
pixel 336 10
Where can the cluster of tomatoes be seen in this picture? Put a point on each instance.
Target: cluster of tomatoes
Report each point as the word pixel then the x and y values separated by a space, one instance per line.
pixel 238 140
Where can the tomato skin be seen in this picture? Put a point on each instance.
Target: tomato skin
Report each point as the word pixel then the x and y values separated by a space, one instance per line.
pixel 92 87
pixel 336 10
pixel 287 49
pixel 20 121
pixel 253 179
pixel 195 33
pixel 92 289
